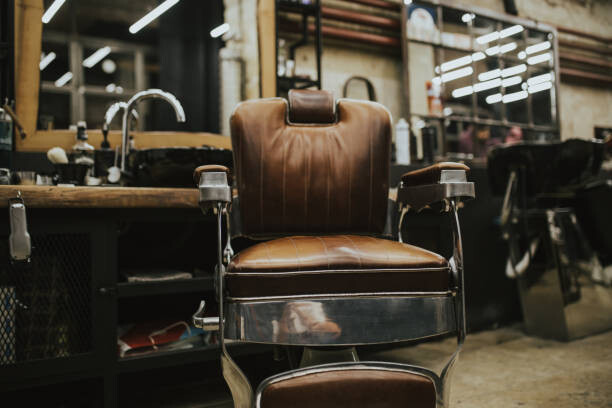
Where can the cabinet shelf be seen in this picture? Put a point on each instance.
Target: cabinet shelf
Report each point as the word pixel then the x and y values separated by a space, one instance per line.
pixel 131 289
pixel 181 357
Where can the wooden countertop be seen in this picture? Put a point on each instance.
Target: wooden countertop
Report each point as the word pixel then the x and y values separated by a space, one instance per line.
pixel 100 197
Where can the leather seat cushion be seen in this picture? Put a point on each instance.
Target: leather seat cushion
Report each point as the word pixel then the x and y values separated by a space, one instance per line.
pixel 351 388
pixel 335 264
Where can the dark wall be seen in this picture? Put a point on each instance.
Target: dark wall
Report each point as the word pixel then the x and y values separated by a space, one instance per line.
pixel 189 65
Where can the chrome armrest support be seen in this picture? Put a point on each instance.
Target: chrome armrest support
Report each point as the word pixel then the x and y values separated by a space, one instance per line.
pixel 453 184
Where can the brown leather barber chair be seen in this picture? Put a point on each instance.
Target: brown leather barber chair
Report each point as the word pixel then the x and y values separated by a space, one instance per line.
pixel 313 176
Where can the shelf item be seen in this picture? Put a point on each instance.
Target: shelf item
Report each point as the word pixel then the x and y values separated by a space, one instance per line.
pixel 129 289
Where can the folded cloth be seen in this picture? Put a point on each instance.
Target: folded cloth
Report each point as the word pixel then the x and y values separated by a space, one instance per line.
pixel 155 275
pixel 150 336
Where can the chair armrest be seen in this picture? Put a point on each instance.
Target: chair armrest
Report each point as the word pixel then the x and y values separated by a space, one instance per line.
pixel 433 184
pixel 213 181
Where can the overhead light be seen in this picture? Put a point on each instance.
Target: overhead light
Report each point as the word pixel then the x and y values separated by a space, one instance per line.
pixel 63 80
pixel 46 60
pixel 532 49
pixel 110 87
pixel 52 10
pixel 515 96
pixel 96 57
pixel 447 111
pixel 459 92
pixel 467 17
pixel 219 30
pixel 456 63
pixel 436 80
pixel 494 98
pixel 485 76
pixel 493 50
pixel 510 31
pixel 539 58
pixel 517 69
pixel 539 87
pixel 407 2
pixel 459 73
pixel 507 48
pixel 483 86
pixel 539 79
pixel 522 55
pixel 515 80
pixel 477 56
pixel 487 38
pixel 152 15
pixel 524 86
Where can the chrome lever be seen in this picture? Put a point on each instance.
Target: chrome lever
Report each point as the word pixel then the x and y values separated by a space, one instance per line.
pixel 206 323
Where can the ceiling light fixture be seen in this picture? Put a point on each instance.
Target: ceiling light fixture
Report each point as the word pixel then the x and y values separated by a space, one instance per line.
pixel 63 80
pixel 96 57
pixel 45 60
pixel 483 86
pixel 52 10
pixel 539 87
pixel 485 76
pixel 510 31
pixel 522 55
pixel 219 30
pixel 507 48
pixel 515 80
pixel 532 49
pixel 517 69
pixel 487 38
pixel 539 58
pixel 459 73
pixel 459 92
pixel 456 63
pixel 539 79
pixel 513 97
pixel 152 15
pixel 494 98
pixel 467 17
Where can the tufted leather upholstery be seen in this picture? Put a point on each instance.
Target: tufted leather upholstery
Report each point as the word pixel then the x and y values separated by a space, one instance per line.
pixel 334 264
pixel 351 388
pixel 318 177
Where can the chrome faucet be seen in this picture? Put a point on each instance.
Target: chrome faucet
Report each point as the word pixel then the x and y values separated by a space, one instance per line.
pixel 148 94
pixel 109 116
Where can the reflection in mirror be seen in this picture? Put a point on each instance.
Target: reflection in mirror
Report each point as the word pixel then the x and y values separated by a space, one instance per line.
pixel 97 52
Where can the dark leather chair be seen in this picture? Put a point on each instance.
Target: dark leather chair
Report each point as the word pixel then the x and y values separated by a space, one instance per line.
pixel 312 179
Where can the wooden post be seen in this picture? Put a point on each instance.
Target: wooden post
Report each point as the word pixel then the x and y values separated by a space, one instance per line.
pixel 266 22
pixel 28 44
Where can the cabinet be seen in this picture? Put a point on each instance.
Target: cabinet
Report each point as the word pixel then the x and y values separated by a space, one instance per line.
pixel 61 311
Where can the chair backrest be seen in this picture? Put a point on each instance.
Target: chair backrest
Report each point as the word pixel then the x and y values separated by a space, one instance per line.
pixel 305 167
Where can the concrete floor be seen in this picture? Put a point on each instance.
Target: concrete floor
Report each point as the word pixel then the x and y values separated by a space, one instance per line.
pixel 505 368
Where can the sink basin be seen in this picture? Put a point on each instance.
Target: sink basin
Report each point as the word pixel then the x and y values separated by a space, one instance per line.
pixel 173 166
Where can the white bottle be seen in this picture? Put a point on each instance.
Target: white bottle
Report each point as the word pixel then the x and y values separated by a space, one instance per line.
pixel 402 142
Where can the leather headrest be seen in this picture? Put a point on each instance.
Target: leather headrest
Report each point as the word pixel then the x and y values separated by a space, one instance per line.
pixel 310 106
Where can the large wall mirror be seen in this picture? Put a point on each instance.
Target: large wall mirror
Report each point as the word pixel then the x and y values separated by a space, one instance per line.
pixel 95 52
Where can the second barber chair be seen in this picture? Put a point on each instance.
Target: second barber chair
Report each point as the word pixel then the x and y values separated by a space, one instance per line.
pixel 312 182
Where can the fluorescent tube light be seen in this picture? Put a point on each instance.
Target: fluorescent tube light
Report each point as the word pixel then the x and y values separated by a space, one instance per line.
pixel 485 76
pixel 456 63
pixel 45 60
pixel 532 49
pixel 459 73
pixel 507 48
pixel 477 56
pixel 539 79
pixel 539 58
pixel 63 80
pixel 152 15
pixel 436 80
pixel 513 97
pixel 52 10
pixel 510 31
pixel 517 69
pixel 219 30
pixel 459 92
pixel 494 98
pixel 493 50
pixel 539 87
pixel 515 80
pixel 483 86
pixel 96 57
pixel 487 38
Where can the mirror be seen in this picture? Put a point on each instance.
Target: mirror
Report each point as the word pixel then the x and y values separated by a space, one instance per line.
pixel 97 52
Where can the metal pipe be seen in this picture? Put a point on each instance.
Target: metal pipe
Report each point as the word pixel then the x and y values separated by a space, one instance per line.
pixel 360 18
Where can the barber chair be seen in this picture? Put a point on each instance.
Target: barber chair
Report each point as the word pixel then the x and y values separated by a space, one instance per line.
pixel 312 180
pixel 564 290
